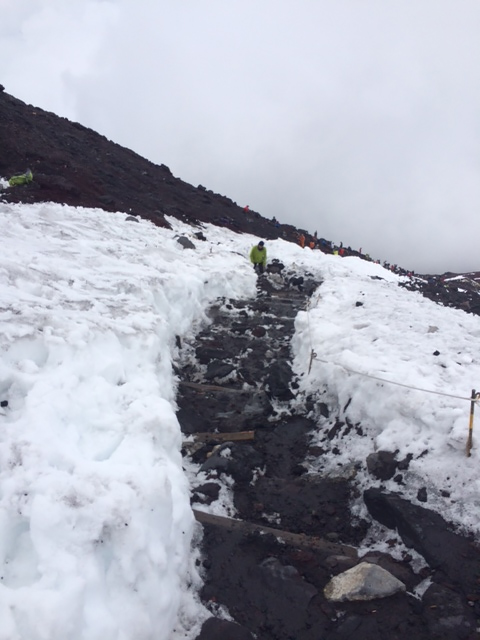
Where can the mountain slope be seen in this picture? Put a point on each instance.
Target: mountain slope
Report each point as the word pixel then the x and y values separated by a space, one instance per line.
pixel 75 165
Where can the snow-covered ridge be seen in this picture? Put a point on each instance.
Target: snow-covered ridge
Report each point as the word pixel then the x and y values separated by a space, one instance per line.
pixel 95 521
pixel 362 329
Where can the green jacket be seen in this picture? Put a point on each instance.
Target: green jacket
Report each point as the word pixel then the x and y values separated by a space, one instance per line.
pixel 258 256
pixel 24 178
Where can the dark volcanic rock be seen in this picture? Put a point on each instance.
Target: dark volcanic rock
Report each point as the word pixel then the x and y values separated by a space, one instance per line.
pixel 429 534
pixel 278 380
pixel 382 464
pixel 234 459
pixel 218 369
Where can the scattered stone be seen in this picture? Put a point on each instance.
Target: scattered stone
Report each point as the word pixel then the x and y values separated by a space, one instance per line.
pixel 324 410
pixel 278 380
pixel 405 463
pixel 259 332
pixel 366 581
pixel 206 353
pixel 218 369
pixel 131 219
pixel 185 242
pixel 335 430
pixel 234 459
pixel 422 494
pixel 210 489
pixel 382 465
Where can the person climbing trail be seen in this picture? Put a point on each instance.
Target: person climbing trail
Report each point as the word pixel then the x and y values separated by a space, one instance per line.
pixel 258 257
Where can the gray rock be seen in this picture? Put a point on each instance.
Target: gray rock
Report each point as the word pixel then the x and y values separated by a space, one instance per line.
pixel 185 242
pixel 364 582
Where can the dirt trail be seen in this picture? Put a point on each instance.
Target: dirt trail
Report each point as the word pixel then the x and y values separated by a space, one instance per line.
pixel 239 379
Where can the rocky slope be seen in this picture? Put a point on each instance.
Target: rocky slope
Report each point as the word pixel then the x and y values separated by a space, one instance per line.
pixel 75 165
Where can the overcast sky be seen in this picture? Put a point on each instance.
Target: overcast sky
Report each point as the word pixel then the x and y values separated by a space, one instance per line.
pixel 356 118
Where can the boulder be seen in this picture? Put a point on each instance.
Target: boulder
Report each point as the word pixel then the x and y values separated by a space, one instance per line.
pixel 364 582
pixel 430 535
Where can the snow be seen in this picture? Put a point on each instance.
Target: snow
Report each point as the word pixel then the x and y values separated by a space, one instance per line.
pixel 97 537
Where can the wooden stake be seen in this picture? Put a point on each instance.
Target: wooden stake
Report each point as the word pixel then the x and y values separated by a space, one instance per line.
pixel 470 424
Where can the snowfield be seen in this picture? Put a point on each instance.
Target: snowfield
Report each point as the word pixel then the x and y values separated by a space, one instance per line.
pixel 97 538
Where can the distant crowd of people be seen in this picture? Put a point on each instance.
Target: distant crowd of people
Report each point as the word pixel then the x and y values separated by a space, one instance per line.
pixel 327 246
pixel 305 240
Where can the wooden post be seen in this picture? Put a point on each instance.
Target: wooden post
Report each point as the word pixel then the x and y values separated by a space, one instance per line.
pixel 470 424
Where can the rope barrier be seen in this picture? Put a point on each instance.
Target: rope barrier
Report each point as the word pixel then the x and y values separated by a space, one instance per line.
pixel 313 356
pixel 473 399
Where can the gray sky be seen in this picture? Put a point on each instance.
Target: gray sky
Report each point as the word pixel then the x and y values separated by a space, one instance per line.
pixel 356 118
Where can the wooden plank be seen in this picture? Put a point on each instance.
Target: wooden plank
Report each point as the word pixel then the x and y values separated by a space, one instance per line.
pixel 224 437
pixel 299 540
pixel 213 387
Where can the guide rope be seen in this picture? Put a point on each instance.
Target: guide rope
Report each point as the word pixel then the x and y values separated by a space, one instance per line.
pixel 474 399
pixel 314 356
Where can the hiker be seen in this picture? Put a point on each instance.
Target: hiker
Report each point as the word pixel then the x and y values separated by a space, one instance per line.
pixel 258 256
pixel 23 178
pixel 301 240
